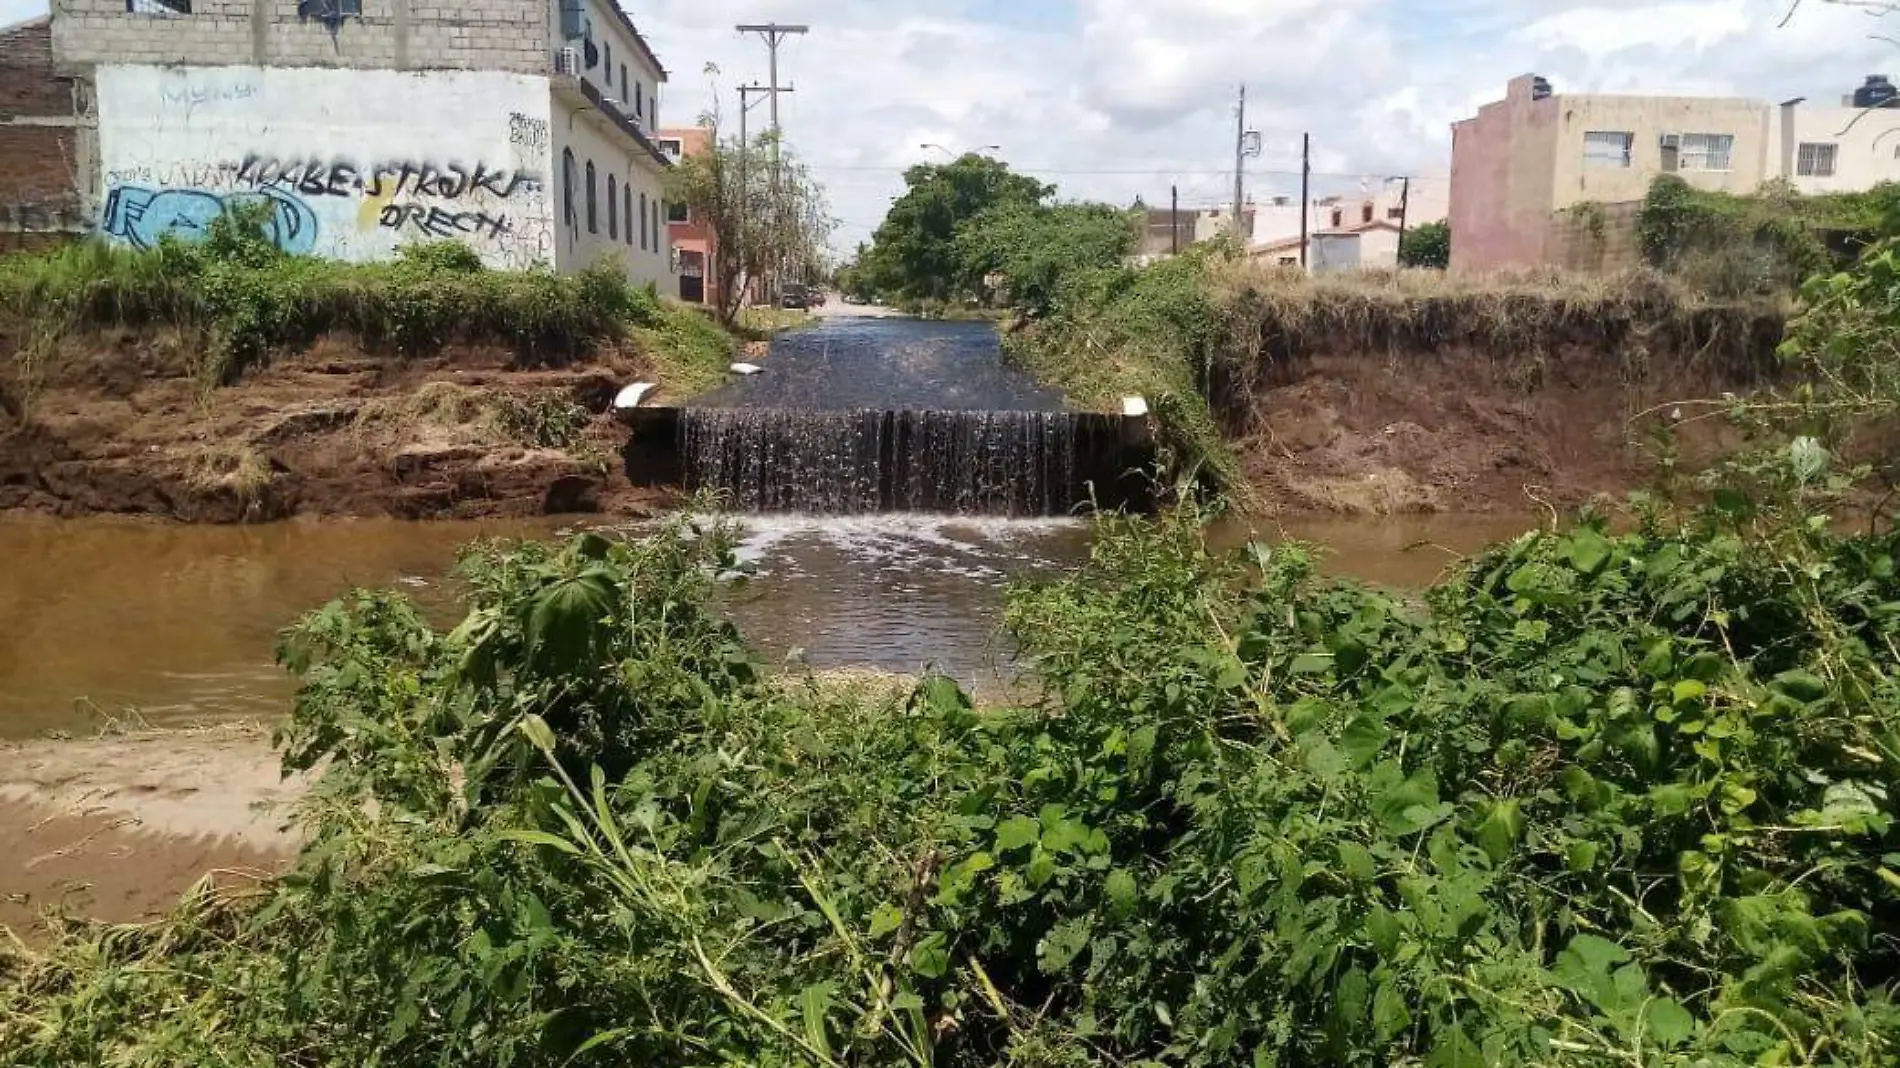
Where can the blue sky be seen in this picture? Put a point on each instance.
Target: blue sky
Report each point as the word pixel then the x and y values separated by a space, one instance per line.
pixel 1116 99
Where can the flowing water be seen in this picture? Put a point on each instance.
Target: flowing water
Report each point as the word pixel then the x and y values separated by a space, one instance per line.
pixel 101 616
pixel 178 624
pixel 860 416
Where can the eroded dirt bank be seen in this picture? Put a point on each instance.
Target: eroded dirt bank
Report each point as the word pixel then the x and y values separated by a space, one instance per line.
pixel 119 423
pixel 1459 433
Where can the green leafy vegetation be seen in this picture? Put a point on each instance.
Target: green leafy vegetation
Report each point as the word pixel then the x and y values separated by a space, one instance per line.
pixel 1427 245
pixel 1597 799
pixel 914 256
pixel 1771 241
pixel 1203 336
pixel 245 299
pixel 1023 252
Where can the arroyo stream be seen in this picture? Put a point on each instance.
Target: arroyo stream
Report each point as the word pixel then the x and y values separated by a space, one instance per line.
pixel 178 624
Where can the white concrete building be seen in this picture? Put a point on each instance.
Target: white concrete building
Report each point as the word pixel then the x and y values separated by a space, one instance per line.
pixel 518 127
pixel 1375 213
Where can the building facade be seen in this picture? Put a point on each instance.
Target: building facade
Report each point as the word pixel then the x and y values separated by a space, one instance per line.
pixel 695 242
pixel 1522 161
pixel 1375 213
pixel 517 127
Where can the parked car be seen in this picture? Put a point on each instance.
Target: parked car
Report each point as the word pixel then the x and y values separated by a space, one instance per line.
pixel 797 297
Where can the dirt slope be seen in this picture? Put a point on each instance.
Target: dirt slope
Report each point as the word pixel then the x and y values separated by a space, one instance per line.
pixel 118 424
pixel 1451 432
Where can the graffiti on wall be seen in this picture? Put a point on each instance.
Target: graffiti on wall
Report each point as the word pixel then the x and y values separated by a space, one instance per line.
pixel 526 131
pixel 180 147
pixel 142 216
pixel 342 178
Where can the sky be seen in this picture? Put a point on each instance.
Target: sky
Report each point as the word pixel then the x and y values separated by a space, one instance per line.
pixel 1119 99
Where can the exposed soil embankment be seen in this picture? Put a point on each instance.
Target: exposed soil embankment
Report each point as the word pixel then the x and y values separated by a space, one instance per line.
pixel 1382 395
pixel 122 422
pixel 1430 432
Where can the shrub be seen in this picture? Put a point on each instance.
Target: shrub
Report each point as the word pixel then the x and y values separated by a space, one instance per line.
pixel 1597 799
pixel 248 299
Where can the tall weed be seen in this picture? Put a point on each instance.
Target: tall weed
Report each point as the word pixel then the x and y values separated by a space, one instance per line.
pixel 1598 799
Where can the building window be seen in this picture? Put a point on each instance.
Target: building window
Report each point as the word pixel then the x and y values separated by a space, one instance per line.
pixel 624 83
pixel 158 7
pixel 1395 212
pixel 1365 212
pixel 593 214
pixel 639 107
pixel 671 148
pixel 659 242
pixel 1339 217
pixel 1705 152
pixel 567 186
pixel 613 209
pixel 1816 159
pixel 677 212
pixel 608 63
pixel 1608 148
pixel 626 202
pixel 643 222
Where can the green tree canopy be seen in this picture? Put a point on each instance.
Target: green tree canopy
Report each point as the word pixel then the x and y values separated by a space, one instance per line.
pixel 1428 245
pixel 1029 248
pixel 914 253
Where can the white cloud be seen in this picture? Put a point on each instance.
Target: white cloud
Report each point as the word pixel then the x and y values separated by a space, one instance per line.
pixel 1138 93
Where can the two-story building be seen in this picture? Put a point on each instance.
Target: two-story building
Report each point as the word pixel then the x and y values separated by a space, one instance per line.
pixel 519 127
pixel 1522 161
pixel 695 242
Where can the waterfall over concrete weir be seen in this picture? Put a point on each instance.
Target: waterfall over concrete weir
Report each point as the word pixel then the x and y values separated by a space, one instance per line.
pixel 997 463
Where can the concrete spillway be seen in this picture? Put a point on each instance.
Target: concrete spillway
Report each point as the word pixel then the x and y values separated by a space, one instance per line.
pixel 995 463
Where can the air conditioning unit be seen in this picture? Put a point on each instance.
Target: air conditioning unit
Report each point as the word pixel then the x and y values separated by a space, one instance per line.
pixel 568 61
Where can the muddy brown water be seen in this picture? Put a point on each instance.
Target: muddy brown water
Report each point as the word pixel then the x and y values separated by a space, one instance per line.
pixel 178 624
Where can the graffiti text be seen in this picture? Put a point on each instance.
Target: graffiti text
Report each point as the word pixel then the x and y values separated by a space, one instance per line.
pixel 434 222
pixel 336 178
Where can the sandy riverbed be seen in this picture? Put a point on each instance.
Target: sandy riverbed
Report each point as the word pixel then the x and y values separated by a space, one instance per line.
pixel 116 828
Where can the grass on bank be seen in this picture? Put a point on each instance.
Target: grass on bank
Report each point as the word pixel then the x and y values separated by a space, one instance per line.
pixel 1596 800
pixel 246 300
pixel 1203 335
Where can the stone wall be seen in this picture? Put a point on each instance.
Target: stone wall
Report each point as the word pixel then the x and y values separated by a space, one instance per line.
pixel 501 35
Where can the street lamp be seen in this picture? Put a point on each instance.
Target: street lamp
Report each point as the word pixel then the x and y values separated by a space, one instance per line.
pixel 954 155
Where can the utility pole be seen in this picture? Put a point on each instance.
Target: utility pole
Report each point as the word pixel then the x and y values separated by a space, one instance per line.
pixel 774 34
pixel 1405 207
pixel 1174 220
pixel 745 153
pixel 1306 191
pixel 1240 160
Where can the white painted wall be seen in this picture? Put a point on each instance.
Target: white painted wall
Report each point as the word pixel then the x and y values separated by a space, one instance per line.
pixel 356 163
pixel 621 68
pixel 1867 146
pixel 589 137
